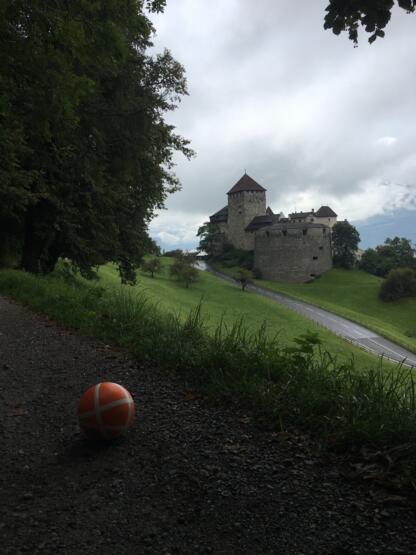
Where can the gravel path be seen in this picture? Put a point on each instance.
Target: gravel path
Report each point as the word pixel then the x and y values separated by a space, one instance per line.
pixel 190 477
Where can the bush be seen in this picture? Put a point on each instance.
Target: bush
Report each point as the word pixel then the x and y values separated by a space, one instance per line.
pixel 173 254
pixel 398 284
pixel 257 274
pixel 235 257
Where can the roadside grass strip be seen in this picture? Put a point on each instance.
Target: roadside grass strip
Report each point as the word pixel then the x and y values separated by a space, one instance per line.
pixel 293 382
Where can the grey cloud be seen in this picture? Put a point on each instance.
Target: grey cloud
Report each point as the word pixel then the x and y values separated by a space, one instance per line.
pixel 300 109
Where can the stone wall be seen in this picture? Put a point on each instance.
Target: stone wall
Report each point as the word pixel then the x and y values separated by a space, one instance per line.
pixel 292 252
pixel 242 208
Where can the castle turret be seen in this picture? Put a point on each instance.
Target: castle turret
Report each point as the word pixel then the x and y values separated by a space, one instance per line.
pixel 246 200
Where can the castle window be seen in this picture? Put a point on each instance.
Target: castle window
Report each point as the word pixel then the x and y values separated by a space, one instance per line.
pixel 315 258
pixel 312 219
pixel 324 230
pixel 321 248
pixel 304 231
pixel 267 234
pixel 284 231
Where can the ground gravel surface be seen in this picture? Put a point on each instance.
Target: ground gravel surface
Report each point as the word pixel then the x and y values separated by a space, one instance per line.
pixel 190 477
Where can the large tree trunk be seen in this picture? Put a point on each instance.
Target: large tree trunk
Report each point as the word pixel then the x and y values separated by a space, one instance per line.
pixel 38 235
pixel 50 257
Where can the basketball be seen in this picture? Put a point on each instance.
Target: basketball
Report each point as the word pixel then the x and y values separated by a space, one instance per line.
pixel 105 411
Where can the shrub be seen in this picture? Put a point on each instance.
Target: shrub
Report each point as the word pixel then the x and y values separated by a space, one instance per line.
pixel 173 254
pixel 235 257
pixel 398 284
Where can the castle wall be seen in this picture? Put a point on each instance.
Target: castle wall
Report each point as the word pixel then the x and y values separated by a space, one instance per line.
pixel 242 208
pixel 293 253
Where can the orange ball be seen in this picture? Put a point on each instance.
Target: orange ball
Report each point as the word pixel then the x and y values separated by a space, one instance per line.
pixel 105 411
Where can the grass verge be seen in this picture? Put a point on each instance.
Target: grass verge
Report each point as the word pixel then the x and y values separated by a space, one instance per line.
pixel 299 384
pixel 354 295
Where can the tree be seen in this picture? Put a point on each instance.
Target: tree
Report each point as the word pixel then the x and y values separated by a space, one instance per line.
pixel 394 253
pixel 373 15
pixel 152 266
pixel 85 153
pixel 398 251
pixel 211 239
pixel 184 270
pixel 345 239
pixel 244 277
pixel 370 262
pixel 399 283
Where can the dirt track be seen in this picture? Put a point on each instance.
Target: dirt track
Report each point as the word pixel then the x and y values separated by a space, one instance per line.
pixel 190 477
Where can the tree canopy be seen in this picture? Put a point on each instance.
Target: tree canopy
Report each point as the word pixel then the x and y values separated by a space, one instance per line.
pixel 86 155
pixel 184 270
pixel 394 253
pixel 373 15
pixel 345 239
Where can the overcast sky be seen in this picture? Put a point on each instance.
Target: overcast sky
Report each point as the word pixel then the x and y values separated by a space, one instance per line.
pixel 309 117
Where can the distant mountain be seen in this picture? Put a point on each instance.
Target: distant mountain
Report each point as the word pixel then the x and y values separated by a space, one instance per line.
pixel 376 229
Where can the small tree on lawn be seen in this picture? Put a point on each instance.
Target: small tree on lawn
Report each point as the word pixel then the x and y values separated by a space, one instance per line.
pixel 151 266
pixel 244 278
pixel 184 270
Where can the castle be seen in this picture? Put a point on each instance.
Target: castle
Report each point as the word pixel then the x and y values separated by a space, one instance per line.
pixel 292 249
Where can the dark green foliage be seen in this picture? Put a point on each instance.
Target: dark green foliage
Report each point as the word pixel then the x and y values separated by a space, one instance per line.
pixel 301 384
pixel 257 273
pixel 210 239
pixel 184 270
pixel 395 253
pixel 244 278
pixel 151 266
pixel 398 284
pixel 85 153
pixel 373 15
pixel 173 254
pixel 345 239
pixel 235 257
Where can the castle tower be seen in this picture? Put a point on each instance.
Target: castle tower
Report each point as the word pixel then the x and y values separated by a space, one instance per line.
pixel 246 200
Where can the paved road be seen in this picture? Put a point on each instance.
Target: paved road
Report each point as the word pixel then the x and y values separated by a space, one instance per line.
pixel 354 333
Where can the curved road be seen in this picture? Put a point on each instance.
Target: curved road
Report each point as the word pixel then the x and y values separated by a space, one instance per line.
pixel 352 332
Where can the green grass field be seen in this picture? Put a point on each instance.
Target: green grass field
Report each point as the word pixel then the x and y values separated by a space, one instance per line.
pixel 222 300
pixel 354 295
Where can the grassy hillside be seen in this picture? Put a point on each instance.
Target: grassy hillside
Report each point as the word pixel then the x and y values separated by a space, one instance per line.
pixel 222 300
pixel 354 294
